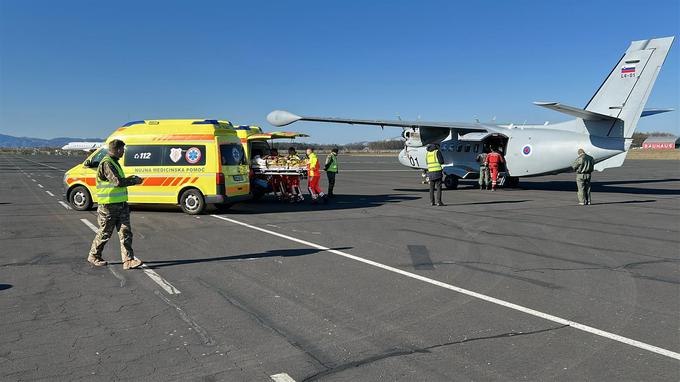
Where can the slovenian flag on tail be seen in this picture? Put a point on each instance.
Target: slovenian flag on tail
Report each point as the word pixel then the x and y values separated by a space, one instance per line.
pixel 628 69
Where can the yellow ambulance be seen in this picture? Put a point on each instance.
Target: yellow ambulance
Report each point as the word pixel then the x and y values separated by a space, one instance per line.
pixel 190 162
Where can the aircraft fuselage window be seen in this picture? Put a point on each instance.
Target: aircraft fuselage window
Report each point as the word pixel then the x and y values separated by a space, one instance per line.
pixel 467 148
pixel 460 148
pixel 476 148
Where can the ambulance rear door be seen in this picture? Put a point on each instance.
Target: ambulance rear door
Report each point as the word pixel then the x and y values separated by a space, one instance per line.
pixel 235 169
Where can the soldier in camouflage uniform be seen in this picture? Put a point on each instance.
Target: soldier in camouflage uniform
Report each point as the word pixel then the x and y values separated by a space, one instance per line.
pixel 484 174
pixel 583 165
pixel 113 211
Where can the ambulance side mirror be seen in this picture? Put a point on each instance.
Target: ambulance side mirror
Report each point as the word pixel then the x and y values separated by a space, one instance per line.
pixel 88 163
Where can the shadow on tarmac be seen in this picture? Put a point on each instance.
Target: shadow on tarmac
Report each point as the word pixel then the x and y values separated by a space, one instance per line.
pixel 492 202
pixel 570 186
pixel 5 286
pixel 626 202
pixel 251 256
pixel 604 186
pixel 338 202
pixel 268 205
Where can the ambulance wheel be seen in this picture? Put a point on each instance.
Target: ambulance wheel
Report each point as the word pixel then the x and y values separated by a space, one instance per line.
pixel 192 201
pixel 80 198
pixel 451 182
pixel 511 182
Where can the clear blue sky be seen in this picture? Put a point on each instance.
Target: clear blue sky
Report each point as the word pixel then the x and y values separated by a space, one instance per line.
pixel 83 68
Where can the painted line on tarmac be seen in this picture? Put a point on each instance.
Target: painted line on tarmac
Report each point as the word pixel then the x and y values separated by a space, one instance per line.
pixel 42 164
pixel 163 283
pixel 40 185
pixel 493 300
pixel 89 225
pixel 281 377
pixel 33 180
pixel 65 205
pixel 49 193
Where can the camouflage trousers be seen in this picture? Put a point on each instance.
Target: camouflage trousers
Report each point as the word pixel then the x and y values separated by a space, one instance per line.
pixel 113 216
pixel 583 187
pixel 484 176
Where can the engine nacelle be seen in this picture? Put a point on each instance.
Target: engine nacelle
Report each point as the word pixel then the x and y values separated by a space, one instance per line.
pixel 423 136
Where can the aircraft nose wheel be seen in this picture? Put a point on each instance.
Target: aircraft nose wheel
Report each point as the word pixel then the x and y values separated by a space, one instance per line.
pixel 451 182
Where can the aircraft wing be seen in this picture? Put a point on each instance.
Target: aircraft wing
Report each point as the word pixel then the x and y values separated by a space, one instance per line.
pixel 648 112
pixel 275 135
pixel 575 112
pixel 283 118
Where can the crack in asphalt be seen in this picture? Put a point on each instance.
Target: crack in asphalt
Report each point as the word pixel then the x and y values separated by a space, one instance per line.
pixel 425 350
pixel 202 333
pixel 265 323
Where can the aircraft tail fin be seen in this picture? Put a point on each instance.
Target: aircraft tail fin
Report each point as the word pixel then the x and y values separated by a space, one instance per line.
pixel 624 93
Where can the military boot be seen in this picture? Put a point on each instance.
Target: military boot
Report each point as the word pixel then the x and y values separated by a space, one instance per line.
pixel 132 263
pixel 97 261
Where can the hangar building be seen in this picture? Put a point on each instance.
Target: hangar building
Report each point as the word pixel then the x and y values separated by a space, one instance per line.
pixel 660 143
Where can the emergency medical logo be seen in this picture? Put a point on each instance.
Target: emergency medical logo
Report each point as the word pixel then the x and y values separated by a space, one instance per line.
pixel 193 155
pixel 175 155
pixel 236 154
pixel 526 150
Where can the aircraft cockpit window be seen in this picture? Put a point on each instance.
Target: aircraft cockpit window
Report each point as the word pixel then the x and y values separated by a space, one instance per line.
pixel 467 148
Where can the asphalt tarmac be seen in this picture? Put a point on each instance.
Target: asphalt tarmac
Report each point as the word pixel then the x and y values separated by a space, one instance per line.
pixel 515 285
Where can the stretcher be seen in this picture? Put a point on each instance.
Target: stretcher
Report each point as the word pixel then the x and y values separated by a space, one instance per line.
pixel 280 175
pixel 280 170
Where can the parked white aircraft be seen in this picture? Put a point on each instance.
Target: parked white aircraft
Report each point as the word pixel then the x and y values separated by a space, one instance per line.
pixel 85 146
pixel 604 128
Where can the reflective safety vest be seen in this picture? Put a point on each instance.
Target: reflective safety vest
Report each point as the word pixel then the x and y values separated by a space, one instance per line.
pixel 107 193
pixel 313 165
pixel 432 161
pixel 333 163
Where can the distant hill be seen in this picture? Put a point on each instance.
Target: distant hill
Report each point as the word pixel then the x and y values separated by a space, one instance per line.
pixel 8 141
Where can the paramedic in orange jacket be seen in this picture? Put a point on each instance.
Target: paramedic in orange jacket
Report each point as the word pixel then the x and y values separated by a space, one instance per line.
pixel 314 176
pixel 493 161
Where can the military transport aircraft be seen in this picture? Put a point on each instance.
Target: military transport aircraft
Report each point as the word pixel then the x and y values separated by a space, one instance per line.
pixel 604 128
